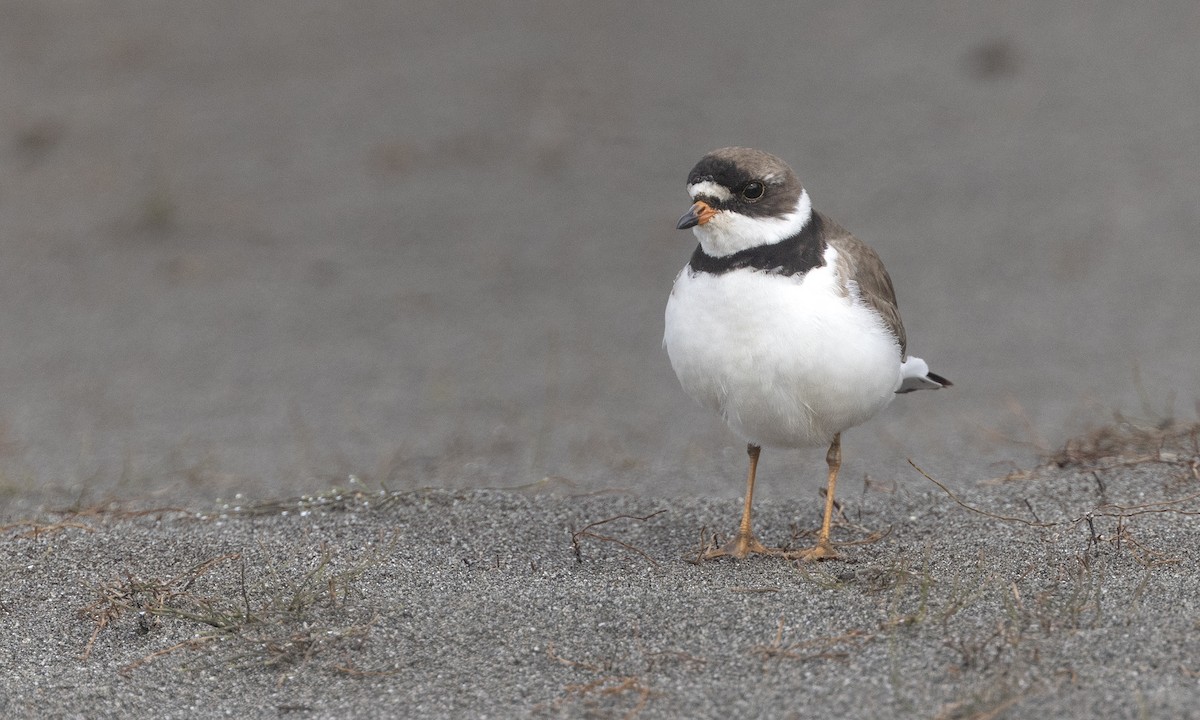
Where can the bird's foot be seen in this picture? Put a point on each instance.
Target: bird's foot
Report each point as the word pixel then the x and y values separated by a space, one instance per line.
pixel 744 544
pixel 740 546
pixel 821 551
pixel 826 550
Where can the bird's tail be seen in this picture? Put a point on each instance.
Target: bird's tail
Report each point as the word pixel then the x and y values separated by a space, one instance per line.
pixel 915 375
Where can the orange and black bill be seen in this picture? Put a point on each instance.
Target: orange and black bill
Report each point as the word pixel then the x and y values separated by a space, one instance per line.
pixel 699 214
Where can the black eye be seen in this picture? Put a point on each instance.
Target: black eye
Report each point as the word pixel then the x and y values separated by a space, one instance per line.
pixel 753 190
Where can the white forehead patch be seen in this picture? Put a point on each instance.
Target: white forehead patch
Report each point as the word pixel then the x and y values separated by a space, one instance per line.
pixel 708 188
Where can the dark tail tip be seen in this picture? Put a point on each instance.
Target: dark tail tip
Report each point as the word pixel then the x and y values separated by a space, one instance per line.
pixel 939 379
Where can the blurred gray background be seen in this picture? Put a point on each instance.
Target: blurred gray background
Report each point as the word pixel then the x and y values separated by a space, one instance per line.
pixel 263 247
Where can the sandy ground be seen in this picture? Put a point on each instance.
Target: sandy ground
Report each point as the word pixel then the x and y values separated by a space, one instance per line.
pixel 254 251
pixel 1067 592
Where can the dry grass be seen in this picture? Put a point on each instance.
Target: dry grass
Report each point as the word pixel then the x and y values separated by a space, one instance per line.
pixel 1026 617
pixel 1183 506
pixel 283 620
pixel 152 599
pixel 837 647
pixel 603 690
pixel 619 685
pixel 83 518
pixel 1127 442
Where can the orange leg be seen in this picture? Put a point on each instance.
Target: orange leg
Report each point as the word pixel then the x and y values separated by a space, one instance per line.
pixel 824 549
pixel 744 542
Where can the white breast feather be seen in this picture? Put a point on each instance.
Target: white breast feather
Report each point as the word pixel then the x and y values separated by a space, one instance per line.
pixel 787 362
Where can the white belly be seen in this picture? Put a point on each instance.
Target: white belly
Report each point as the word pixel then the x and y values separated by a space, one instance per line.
pixel 786 362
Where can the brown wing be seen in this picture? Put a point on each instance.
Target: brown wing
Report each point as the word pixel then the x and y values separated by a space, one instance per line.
pixel 856 259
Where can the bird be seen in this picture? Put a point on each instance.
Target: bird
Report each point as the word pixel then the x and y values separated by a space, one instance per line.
pixel 783 323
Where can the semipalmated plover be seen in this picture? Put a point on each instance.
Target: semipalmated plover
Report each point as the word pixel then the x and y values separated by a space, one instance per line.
pixel 782 322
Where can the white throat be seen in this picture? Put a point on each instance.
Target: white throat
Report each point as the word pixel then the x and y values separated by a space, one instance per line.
pixel 729 232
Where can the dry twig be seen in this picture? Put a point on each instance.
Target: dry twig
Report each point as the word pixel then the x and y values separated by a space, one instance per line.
pixel 586 532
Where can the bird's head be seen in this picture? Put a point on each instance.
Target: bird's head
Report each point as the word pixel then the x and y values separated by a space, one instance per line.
pixel 743 198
